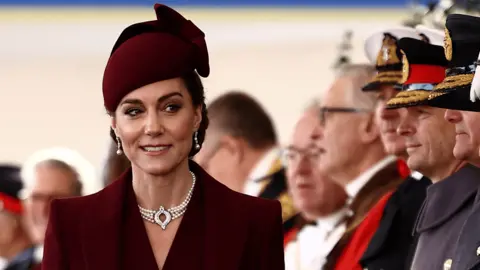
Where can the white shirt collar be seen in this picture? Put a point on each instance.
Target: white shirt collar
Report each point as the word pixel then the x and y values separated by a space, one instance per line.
pixel 3 263
pixel 416 175
pixel 262 167
pixel 38 253
pixel 358 183
pixel 331 221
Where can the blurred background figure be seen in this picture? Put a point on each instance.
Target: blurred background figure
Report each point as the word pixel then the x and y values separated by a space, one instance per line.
pixel 115 164
pixel 344 50
pixel 434 13
pixel 52 174
pixel 320 201
pixel 351 150
pixel 16 249
pixel 241 150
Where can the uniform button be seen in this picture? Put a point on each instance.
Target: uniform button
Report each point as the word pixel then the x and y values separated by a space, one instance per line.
pixel 478 251
pixel 447 265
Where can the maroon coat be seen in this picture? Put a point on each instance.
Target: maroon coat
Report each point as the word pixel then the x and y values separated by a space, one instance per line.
pixel 221 230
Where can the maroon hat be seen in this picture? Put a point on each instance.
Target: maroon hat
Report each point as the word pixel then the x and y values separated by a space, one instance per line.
pixel 153 51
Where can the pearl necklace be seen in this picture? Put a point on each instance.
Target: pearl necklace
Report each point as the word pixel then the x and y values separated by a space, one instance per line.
pixel 175 212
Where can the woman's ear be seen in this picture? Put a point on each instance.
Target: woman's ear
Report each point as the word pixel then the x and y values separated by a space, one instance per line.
pixel 198 117
pixel 113 123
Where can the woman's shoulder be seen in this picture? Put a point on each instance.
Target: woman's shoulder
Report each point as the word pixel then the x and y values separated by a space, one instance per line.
pixel 242 204
pixel 87 203
pixel 225 195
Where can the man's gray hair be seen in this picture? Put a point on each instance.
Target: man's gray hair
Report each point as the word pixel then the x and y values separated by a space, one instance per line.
pixel 61 165
pixel 312 104
pixel 359 75
pixel 59 156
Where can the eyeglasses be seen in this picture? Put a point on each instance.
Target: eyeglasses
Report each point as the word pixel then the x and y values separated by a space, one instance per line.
pixel 325 110
pixel 292 155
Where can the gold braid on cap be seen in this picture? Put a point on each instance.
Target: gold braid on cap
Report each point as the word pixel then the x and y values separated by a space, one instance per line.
pixel 447 45
pixel 406 98
pixel 388 76
pixel 405 68
pixel 454 81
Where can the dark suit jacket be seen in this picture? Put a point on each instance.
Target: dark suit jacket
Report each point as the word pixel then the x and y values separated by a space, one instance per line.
pixel 391 243
pixel 383 181
pixel 220 230
pixel 24 261
pixel 277 189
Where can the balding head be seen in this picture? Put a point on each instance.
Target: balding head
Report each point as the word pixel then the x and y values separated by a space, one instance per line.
pixel 305 128
pixel 351 79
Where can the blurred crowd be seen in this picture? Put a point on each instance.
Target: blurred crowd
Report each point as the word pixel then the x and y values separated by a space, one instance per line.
pixel 381 172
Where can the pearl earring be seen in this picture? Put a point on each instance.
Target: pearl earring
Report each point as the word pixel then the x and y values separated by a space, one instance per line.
pixel 119 147
pixel 195 138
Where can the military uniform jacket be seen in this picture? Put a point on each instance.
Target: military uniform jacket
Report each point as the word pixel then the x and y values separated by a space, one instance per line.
pixel 443 215
pixel 467 254
pixel 390 245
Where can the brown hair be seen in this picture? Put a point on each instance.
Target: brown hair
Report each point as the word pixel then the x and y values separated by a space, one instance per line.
pixel 240 115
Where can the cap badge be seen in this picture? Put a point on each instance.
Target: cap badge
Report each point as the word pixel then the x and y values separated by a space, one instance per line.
pixel 388 53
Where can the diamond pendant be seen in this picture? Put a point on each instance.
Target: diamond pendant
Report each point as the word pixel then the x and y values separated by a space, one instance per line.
pixel 168 217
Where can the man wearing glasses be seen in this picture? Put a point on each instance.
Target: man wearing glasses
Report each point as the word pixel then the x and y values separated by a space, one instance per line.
pixel 351 150
pixel 318 198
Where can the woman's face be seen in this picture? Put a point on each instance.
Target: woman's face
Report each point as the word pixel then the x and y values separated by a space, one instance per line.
pixel 155 124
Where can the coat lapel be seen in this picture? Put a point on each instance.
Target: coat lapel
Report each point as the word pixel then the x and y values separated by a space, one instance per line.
pixel 467 254
pixel 101 229
pixel 447 197
pixel 203 234
pixel 404 205
pixel 225 238
pixel 190 237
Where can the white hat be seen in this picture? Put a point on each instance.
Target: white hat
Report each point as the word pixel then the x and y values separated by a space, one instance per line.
pixel 475 89
pixel 435 36
pixel 85 170
pixel 373 43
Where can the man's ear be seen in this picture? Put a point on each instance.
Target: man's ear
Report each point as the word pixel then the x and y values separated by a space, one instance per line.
pixel 234 146
pixel 369 130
